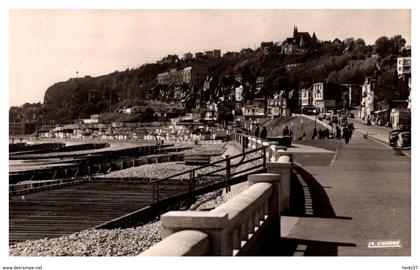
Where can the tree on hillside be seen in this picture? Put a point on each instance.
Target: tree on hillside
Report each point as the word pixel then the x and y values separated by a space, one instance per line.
pixel 398 42
pixel 385 46
pixel 148 114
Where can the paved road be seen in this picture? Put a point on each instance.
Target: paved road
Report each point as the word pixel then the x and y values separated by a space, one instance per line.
pixel 359 193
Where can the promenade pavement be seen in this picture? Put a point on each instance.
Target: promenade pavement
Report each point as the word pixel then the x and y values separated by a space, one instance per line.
pixel 352 195
pixel 360 194
pixel 375 133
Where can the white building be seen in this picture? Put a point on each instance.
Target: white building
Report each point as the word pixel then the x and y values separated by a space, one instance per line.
pixel 368 97
pixel 306 97
pixel 274 107
pixel 403 65
pixel 239 93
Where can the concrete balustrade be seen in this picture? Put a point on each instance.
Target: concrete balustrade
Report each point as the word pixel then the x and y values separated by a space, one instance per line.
pixel 230 226
pixel 183 243
pixel 283 167
pixel 240 225
pixel 274 151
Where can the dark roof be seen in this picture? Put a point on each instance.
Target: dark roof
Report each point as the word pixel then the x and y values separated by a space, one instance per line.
pixel 289 41
pixel 305 35
pixel 267 44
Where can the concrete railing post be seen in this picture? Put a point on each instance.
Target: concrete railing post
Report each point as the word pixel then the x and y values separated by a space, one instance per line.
pixel 279 150
pixel 266 143
pixel 253 143
pixel 213 224
pixel 259 143
pixel 272 151
pixel 183 243
pixel 283 167
pixel 275 200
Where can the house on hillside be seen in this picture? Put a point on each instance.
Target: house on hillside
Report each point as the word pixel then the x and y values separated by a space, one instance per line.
pixel 198 55
pixel 217 53
pixel 403 66
pixel 169 59
pixel 259 84
pixel 266 46
pixel 239 93
pixel 254 109
pixel 274 107
pixel 299 43
pixel 187 56
pixel 337 43
pixel 195 75
pixel 208 54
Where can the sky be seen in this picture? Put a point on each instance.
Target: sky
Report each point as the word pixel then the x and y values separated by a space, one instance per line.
pixel 48 46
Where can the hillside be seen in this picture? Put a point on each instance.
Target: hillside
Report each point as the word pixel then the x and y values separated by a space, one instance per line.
pixel 347 62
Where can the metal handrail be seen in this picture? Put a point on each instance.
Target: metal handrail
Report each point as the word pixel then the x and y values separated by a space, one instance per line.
pixel 192 179
pixel 233 166
pixel 211 164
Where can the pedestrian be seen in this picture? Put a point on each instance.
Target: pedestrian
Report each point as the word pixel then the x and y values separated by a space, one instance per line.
pixel 287 131
pixel 315 134
pixel 263 134
pixel 327 133
pixel 338 133
pixel 257 132
pixel 245 143
pixel 321 134
pixel 346 134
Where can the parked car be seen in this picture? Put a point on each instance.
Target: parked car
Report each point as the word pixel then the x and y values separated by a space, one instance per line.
pixel 404 139
pixel 351 115
pixel 394 135
pixel 309 110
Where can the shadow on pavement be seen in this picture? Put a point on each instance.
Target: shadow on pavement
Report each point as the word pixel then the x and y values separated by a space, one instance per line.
pixel 302 247
pixel 321 204
pixel 321 208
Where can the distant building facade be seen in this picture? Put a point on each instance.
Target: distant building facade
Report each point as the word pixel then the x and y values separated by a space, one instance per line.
pixel 367 105
pixel 306 97
pixel 403 66
pixel 190 75
pixel 198 55
pixel 327 96
pixel 163 78
pixel 195 75
pixel 217 53
pixel 239 92
pixel 259 83
pixel 274 108
pixel 187 56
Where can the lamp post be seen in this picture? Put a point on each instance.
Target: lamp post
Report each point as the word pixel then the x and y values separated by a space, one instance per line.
pixel 301 119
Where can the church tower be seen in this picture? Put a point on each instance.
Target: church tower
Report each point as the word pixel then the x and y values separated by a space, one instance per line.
pixel 295 32
pixel 314 38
